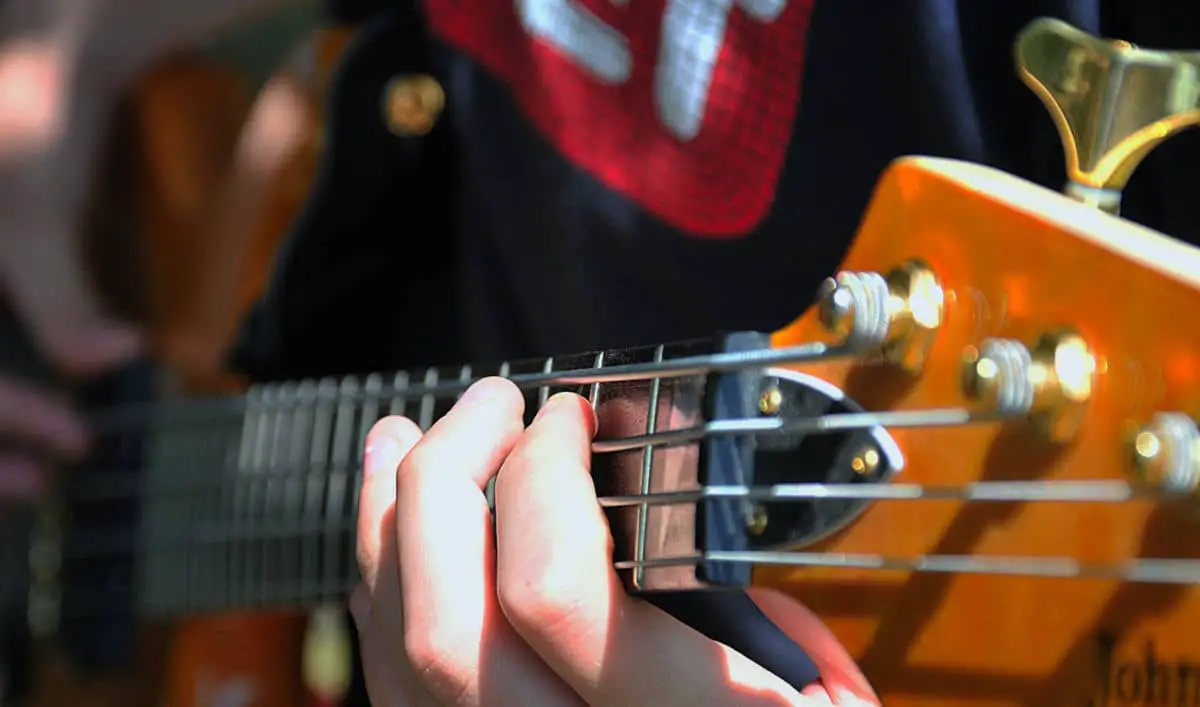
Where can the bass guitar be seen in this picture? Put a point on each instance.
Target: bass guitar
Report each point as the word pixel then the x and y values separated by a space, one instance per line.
pixel 956 424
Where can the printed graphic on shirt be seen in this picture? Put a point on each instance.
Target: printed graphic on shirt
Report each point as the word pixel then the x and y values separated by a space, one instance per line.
pixel 683 106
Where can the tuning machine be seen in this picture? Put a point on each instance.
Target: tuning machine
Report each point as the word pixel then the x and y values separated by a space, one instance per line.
pixel 1111 101
pixel 1164 453
pixel 898 314
pixel 1050 382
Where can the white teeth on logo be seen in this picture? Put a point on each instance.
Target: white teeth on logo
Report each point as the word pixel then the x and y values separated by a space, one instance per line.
pixel 577 32
pixel 690 41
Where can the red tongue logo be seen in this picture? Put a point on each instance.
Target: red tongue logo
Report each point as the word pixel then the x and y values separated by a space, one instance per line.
pixel 683 106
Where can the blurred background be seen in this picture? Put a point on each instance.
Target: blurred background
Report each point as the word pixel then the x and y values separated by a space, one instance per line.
pixel 151 162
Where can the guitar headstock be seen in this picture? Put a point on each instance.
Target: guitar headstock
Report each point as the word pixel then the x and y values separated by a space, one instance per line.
pixel 1047 305
pixel 1067 337
pixel 1017 302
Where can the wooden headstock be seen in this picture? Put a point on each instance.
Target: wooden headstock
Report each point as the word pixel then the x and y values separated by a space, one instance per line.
pixel 1074 329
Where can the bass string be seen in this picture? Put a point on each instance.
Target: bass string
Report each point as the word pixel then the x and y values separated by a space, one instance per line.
pixel 108 485
pixel 186 413
pixel 308 591
pixel 216 491
pixel 95 542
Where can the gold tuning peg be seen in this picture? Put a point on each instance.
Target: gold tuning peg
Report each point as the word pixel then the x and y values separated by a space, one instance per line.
pixel 1112 102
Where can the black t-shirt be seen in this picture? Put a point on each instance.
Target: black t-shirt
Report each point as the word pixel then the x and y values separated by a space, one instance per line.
pixel 653 174
pixel 354 11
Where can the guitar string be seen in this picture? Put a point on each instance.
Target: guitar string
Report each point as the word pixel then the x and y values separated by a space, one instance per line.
pixel 1141 570
pixel 105 485
pixel 283 592
pixel 98 544
pixel 103 488
pixel 114 418
pixel 93 544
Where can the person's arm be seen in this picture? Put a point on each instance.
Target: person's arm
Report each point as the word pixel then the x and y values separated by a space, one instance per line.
pixel 88 52
pixel 63 66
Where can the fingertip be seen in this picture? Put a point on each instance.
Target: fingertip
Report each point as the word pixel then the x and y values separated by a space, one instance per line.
pixel 545 490
pixel 388 442
pixel 573 405
pixel 492 390
pixel 94 349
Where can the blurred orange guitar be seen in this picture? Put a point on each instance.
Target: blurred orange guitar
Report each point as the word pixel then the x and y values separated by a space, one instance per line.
pixel 213 178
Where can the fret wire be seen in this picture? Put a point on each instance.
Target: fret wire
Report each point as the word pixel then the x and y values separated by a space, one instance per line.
pixel 249 556
pixel 343 447
pixel 272 495
pixel 235 493
pixel 643 518
pixel 221 563
pixel 425 421
pixel 260 509
pixel 489 491
pixel 464 377
pixel 159 579
pixel 206 508
pixel 193 464
pixel 544 391
pixel 299 436
pixel 399 404
pixel 318 482
pixel 370 413
pixel 594 393
pixel 177 569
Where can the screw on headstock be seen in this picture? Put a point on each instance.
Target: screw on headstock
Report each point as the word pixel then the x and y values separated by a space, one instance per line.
pixel 1165 453
pixel 1112 102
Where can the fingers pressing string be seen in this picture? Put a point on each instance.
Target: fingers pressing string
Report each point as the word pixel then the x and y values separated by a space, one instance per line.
pixel 559 591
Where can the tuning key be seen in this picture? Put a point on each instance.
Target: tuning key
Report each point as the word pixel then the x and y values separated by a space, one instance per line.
pixel 1165 453
pixel 1049 382
pixel 1111 101
pixel 898 314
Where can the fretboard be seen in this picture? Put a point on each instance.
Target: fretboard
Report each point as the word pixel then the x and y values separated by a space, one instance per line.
pixel 253 503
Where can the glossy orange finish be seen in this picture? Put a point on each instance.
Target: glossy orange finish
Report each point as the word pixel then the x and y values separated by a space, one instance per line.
pixel 1015 260
pixel 248 660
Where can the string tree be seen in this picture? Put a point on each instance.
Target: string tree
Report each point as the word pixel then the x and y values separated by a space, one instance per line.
pixel 1051 382
pixel 897 314
pixel 1111 101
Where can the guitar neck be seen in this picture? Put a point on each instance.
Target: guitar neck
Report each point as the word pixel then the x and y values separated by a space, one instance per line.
pixel 251 502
